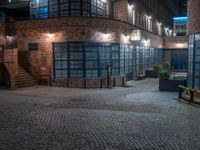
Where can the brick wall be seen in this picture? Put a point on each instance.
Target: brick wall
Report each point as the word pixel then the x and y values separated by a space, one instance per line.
pixel 155 40
pixel 121 7
pixel 48 31
pixel 193 16
pixel 1 73
pixel 11 64
pixel 89 83
pixel 2 34
pixel 178 42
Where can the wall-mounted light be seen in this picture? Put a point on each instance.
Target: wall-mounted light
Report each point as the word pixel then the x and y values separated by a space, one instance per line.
pixel 146 43
pixel 132 6
pixel 181 45
pixel 166 28
pixel 107 31
pixel 159 23
pixel 50 32
pixel 149 17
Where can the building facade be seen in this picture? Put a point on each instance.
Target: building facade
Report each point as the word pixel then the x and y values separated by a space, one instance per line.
pixel 82 42
pixel 194 44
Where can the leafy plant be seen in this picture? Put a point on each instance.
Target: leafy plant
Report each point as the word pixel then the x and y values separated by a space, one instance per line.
pixel 180 78
pixel 166 66
pixel 157 67
pixel 164 75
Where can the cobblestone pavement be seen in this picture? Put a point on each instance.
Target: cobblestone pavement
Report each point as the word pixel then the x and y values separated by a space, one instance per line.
pixel 131 118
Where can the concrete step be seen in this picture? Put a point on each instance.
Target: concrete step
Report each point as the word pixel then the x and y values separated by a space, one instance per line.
pixel 24 79
pixel 25 85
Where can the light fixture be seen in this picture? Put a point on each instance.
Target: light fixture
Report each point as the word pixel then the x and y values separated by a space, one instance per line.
pixel 50 31
pixel 181 45
pixel 180 18
pixel 149 17
pixel 146 43
pixel 132 6
pixel 107 31
pixel 159 23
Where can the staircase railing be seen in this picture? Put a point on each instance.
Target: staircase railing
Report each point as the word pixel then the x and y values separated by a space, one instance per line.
pixel 24 59
pixel 1 54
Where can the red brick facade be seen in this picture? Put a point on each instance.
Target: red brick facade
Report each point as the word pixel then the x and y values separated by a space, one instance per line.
pixel 193 16
pixel 48 31
pixel 178 42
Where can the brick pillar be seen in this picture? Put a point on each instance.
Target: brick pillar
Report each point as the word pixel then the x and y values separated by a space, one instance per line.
pixel 193 16
pixel 11 64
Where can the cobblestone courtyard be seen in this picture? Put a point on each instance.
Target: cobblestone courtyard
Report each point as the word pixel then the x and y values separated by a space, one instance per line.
pixel 132 118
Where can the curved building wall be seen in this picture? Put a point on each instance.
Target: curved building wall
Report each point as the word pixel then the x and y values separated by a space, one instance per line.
pixel 65 8
pixel 193 16
pixel 194 44
pixel 81 48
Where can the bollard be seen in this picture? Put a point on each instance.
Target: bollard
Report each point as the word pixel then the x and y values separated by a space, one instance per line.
pixel 123 81
pixel 180 92
pixel 85 83
pixel 50 78
pixel 191 96
pixel 101 83
pixel 108 76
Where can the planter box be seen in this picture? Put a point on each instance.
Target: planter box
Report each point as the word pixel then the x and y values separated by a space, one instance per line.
pixel 171 85
pixel 151 74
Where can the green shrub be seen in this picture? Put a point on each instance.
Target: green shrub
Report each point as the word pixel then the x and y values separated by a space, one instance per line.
pixel 180 78
pixel 166 66
pixel 164 75
pixel 157 67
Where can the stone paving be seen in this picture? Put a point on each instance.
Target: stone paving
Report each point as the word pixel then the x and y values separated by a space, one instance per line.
pixel 132 118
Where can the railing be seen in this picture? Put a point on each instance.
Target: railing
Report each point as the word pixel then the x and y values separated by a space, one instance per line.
pixel 23 59
pixel 1 54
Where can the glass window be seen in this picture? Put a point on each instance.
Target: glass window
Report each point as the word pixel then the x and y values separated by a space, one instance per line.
pixel 76 59
pixel 63 8
pixel 91 60
pixel 105 58
pixel 61 60
pixel 39 9
pixel 115 48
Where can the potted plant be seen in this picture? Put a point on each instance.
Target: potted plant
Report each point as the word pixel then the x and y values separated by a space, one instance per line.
pixel 167 84
pixel 164 75
pixel 166 66
pixel 153 73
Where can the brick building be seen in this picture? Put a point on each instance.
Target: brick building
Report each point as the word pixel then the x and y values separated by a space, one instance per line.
pixel 78 43
pixel 194 44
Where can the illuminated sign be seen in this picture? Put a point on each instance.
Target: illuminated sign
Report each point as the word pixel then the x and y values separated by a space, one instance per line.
pixel 180 25
pixel 135 35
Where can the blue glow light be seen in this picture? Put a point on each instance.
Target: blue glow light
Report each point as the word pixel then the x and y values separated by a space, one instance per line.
pixel 180 18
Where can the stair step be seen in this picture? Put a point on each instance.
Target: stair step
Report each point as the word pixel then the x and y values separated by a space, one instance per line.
pixel 24 79
pixel 22 72
pixel 24 76
pixel 25 85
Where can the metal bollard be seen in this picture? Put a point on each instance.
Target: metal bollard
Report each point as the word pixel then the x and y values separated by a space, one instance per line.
pixel 180 92
pixel 108 76
pixel 191 96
